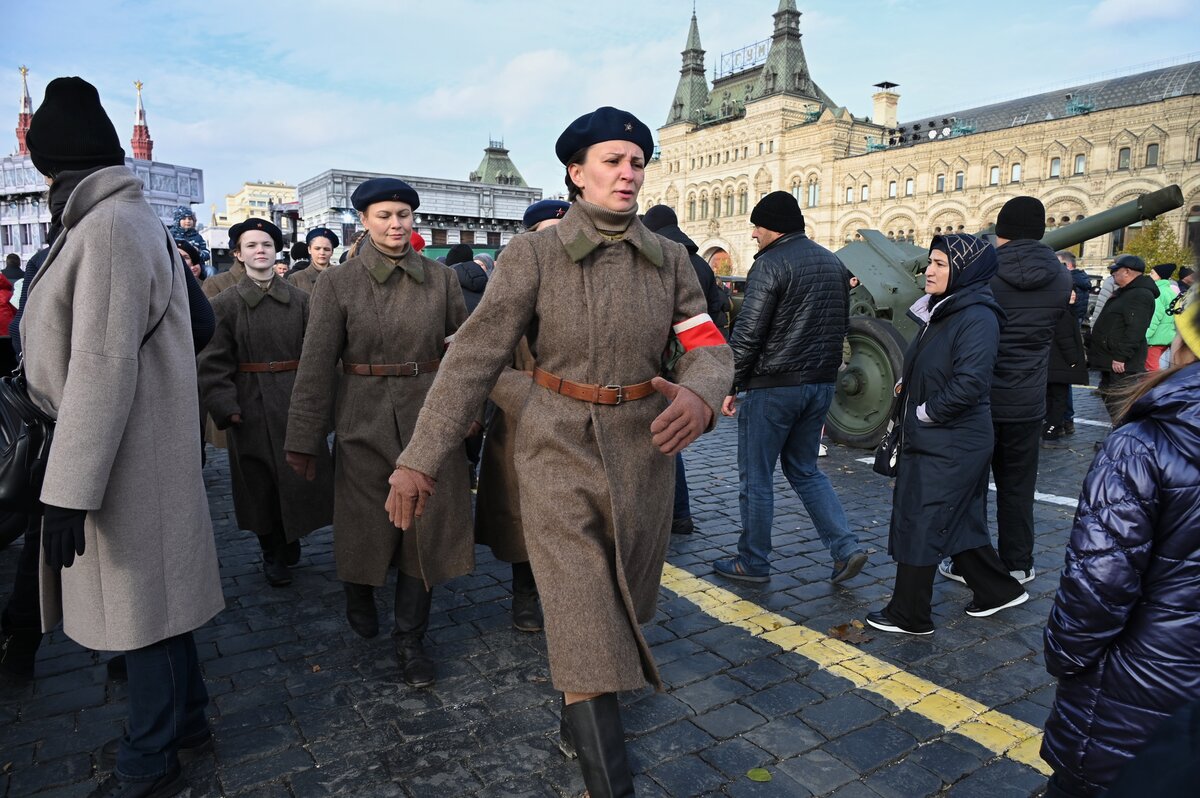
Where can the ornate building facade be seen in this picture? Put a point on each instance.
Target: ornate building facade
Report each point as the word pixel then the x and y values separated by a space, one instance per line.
pixel 24 214
pixel 763 124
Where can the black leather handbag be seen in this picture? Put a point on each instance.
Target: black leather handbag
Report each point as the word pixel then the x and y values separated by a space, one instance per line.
pixel 25 436
pixel 887 454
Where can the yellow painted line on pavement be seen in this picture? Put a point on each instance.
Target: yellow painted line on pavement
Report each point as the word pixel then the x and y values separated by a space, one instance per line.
pixel 1004 735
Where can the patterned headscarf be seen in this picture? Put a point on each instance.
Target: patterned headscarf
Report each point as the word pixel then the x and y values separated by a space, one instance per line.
pixel 972 260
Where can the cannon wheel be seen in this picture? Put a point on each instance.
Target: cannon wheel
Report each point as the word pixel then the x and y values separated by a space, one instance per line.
pixel 863 401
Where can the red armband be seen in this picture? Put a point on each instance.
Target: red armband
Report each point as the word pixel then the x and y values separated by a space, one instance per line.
pixel 698 331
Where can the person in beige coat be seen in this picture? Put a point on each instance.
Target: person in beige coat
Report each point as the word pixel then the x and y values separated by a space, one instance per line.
pixel 128 544
pixel 386 315
pixel 321 242
pixel 598 297
pixel 247 373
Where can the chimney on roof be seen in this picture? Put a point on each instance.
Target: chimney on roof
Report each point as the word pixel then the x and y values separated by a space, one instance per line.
pixel 886 102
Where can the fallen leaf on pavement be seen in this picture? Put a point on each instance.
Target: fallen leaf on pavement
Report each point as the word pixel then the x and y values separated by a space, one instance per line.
pixel 850 633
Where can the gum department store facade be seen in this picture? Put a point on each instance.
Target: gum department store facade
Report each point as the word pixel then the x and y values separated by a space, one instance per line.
pixel 764 125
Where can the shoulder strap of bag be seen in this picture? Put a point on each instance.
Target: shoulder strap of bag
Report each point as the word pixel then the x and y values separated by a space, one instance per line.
pixel 171 257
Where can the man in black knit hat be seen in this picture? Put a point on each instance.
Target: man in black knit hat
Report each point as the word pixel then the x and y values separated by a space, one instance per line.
pixel 1032 287
pixel 787 347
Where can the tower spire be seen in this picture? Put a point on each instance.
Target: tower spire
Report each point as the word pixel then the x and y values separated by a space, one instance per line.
pixel 786 68
pixel 691 94
pixel 25 114
pixel 143 145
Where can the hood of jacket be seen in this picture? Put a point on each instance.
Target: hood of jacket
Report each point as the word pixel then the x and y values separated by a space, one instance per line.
pixel 672 233
pixel 471 276
pixel 1176 402
pixel 1026 264
pixel 979 293
pixel 1142 282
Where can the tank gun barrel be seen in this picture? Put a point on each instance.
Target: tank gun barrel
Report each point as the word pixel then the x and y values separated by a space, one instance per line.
pixel 1144 207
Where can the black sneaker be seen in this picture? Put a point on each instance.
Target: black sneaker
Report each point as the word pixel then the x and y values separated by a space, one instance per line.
pixel 884 624
pixel 172 783
pixel 188 750
pixel 1052 432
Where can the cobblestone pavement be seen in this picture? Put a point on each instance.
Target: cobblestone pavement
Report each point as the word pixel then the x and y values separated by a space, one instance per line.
pixel 303 707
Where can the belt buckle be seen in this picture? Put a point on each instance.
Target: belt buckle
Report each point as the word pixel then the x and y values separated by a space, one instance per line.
pixel 270 366
pixel 620 392
pixel 416 368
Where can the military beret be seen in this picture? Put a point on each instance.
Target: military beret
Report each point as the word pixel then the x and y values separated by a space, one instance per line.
pixel 323 232
pixel 542 210
pixel 236 231
pixel 1128 262
pixel 191 251
pixel 383 189
pixel 603 124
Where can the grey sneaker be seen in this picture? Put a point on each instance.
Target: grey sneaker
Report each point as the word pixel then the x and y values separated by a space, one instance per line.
pixel 1024 577
pixel 848 568
pixel 946 569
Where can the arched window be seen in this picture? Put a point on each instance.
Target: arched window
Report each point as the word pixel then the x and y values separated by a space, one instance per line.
pixel 796 189
pixel 909 184
pixel 691 209
pixel 865 193
pixel 849 194
pixel 716 205
pixel 814 193
pixel 1152 155
pixel 1056 167
pixel 959 181
pixel 891 189
pixel 993 177
pixel 1080 164
pixel 729 203
pixel 1123 158
pixel 940 184
pixel 1014 175
pixel 743 201
pixel 704 206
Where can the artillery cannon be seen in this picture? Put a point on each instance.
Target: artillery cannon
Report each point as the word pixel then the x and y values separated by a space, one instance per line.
pixel 891 278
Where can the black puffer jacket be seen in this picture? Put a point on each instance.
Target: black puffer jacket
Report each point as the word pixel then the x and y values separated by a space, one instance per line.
pixel 714 294
pixel 473 280
pixel 1119 332
pixel 1068 360
pixel 1032 286
pixel 1083 289
pixel 793 318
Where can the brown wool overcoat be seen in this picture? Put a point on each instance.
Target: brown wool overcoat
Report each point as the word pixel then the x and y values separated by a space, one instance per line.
pixel 498 500
pixel 306 278
pixel 212 287
pixel 596 494
pixel 126 442
pixel 258 327
pixel 371 310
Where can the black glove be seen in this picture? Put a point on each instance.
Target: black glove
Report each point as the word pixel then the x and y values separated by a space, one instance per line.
pixel 62 535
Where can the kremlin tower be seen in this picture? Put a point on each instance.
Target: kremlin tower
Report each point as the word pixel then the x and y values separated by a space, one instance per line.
pixel 143 145
pixel 25 115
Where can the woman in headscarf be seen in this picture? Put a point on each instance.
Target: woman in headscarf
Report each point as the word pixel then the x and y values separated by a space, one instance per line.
pixel 939 507
pixel 597 297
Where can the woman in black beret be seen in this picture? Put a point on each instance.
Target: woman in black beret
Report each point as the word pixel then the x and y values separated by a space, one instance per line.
pixel 383 320
pixel 600 299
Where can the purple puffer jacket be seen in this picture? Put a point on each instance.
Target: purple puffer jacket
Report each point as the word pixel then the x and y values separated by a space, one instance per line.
pixel 1124 634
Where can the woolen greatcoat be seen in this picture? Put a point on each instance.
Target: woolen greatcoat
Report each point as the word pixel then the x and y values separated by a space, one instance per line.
pixel 125 443
pixel 306 278
pixel 212 287
pixel 1123 637
pixel 372 309
pixel 596 493
pixel 939 504
pixel 498 499
pixel 254 326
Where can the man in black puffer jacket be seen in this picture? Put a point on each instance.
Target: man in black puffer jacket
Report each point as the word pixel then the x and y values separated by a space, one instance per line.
pixel 1032 287
pixel 787 347
pixel 1118 346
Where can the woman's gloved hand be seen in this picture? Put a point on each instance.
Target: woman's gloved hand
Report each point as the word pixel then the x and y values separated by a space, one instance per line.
pixel 62 535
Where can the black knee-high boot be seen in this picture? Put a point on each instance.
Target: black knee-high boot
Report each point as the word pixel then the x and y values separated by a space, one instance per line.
pixel 360 609
pixel 599 740
pixel 413 601
pixel 565 743
pixel 275 565
pixel 526 611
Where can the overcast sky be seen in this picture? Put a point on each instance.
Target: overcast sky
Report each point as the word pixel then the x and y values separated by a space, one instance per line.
pixel 262 89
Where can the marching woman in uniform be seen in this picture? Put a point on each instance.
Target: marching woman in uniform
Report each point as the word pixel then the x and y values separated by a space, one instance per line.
pixel 598 297
pixel 387 315
pixel 321 243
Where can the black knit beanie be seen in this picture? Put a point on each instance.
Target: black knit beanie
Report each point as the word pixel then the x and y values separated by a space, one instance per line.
pixel 778 211
pixel 459 253
pixel 658 217
pixel 70 130
pixel 1020 218
pixel 1165 270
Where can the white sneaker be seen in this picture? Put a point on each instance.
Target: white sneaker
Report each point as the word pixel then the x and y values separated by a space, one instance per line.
pixel 822 450
pixel 1024 577
pixel 946 569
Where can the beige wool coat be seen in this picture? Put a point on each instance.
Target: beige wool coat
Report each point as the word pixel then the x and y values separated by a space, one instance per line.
pixel 372 310
pixel 126 442
pixel 596 494
pixel 498 499
pixel 254 326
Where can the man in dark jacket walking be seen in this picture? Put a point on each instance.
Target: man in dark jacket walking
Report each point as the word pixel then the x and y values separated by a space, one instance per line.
pixel 1032 287
pixel 1118 347
pixel 787 347
pixel 1079 309
pixel 471 276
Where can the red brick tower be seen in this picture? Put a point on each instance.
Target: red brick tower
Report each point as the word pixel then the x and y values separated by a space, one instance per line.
pixel 25 115
pixel 143 145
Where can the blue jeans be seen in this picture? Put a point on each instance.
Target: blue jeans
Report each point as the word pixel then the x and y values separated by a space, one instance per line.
pixel 683 507
pixel 784 424
pixel 167 701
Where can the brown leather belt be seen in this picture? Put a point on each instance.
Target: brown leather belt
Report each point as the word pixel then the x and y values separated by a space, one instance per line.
pixel 596 394
pixel 410 369
pixel 273 366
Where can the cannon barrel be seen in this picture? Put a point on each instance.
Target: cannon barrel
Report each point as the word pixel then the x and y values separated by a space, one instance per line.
pixel 1146 206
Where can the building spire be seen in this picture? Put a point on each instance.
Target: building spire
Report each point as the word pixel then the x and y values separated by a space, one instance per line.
pixel 691 95
pixel 786 69
pixel 25 114
pixel 143 145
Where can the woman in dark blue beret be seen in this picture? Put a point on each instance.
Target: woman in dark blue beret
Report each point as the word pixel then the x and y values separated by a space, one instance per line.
pixel 600 299
pixel 321 243
pixel 383 320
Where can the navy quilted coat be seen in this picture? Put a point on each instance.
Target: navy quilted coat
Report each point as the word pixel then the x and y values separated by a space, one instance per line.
pixel 1124 634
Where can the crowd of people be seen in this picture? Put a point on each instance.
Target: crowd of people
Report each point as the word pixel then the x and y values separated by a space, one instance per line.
pixel 378 393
